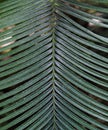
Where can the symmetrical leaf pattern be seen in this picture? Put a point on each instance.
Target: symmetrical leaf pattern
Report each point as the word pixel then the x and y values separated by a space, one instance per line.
pixel 53 67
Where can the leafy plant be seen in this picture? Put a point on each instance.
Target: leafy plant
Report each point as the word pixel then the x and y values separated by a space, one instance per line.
pixel 53 65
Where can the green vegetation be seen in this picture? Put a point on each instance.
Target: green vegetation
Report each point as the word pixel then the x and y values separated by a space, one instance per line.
pixel 53 65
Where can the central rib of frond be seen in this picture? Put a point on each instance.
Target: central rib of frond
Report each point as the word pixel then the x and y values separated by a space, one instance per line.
pixel 53 23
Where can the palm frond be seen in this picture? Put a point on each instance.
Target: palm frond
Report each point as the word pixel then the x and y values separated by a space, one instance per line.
pixel 53 68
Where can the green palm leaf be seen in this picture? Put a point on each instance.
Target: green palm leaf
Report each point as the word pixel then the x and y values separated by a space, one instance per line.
pixel 53 70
